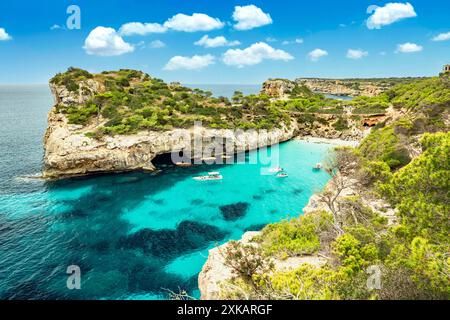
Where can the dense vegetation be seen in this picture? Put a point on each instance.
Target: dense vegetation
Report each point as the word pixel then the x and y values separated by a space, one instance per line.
pixel 412 96
pixel 129 101
pixel 405 162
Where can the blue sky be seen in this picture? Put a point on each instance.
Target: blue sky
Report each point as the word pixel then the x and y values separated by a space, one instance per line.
pixel 283 38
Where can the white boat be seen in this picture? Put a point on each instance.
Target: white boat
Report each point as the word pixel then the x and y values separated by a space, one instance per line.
pixel 275 170
pixel 318 166
pixel 282 175
pixel 212 176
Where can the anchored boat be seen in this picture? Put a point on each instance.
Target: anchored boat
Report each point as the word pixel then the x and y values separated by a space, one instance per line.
pixel 212 176
pixel 276 170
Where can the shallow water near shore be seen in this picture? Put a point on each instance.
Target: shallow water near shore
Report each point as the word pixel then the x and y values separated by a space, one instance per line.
pixel 134 235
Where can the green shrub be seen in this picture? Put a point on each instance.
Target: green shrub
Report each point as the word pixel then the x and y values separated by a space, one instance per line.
pixel 341 124
pixel 384 145
pixel 296 236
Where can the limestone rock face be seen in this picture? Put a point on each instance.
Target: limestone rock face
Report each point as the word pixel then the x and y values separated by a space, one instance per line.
pixel 69 152
pixel 86 90
pixel 215 271
pixel 344 87
pixel 278 88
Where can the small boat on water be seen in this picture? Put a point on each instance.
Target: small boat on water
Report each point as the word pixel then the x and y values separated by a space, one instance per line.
pixel 212 176
pixel 318 166
pixel 276 170
pixel 282 175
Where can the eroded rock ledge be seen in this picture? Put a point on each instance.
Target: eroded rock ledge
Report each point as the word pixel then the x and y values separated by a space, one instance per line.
pixel 69 151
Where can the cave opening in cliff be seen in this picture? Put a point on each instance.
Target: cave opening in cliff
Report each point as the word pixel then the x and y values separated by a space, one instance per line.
pixel 166 159
pixel 163 159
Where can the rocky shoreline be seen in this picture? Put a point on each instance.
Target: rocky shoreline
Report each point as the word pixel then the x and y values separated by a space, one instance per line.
pixel 71 151
pixel 77 149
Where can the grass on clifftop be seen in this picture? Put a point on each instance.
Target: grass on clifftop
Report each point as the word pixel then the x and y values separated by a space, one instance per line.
pixel 130 101
pixel 127 101
pixel 413 95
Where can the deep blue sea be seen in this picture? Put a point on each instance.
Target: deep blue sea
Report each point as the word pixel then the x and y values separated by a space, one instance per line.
pixel 135 235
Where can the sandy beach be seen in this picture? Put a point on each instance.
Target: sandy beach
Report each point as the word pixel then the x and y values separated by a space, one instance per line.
pixel 337 142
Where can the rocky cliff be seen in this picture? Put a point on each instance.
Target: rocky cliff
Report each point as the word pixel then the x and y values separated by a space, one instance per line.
pixel 352 87
pixel 121 120
pixel 93 128
pixel 102 123
pixel 278 88
pixel 70 151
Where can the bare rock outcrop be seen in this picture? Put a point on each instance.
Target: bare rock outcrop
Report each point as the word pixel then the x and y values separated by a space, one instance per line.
pixel 70 151
pixel 278 88
pixel 344 87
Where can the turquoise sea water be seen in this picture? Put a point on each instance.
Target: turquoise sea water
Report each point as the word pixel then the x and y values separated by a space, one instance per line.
pixel 135 235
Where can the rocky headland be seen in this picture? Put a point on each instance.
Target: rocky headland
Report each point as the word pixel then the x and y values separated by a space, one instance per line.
pixel 352 87
pixel 84 136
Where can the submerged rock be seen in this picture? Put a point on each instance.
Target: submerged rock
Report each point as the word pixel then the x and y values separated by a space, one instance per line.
pixel 234 211
pixel 166 243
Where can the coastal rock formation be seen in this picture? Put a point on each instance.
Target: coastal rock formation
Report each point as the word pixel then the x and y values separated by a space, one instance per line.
pixel 351 87
pixel 324 127
pixel 278 88
pixel 343 87
pixel 100 122
pixel 69 150
pixel 378 205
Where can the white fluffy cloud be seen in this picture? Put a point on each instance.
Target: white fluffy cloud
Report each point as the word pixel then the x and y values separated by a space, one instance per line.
pixel 442 37
pixel 104 41
pixel 356 54
pixel 219 41
pixel 316 54
pixel 157 44
pixel 388 14
pixel 4 35
pixel 189 63
pixel 254 54
pixel 193 23
pixel 138 28
pixel 409 47
pixel 249 17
